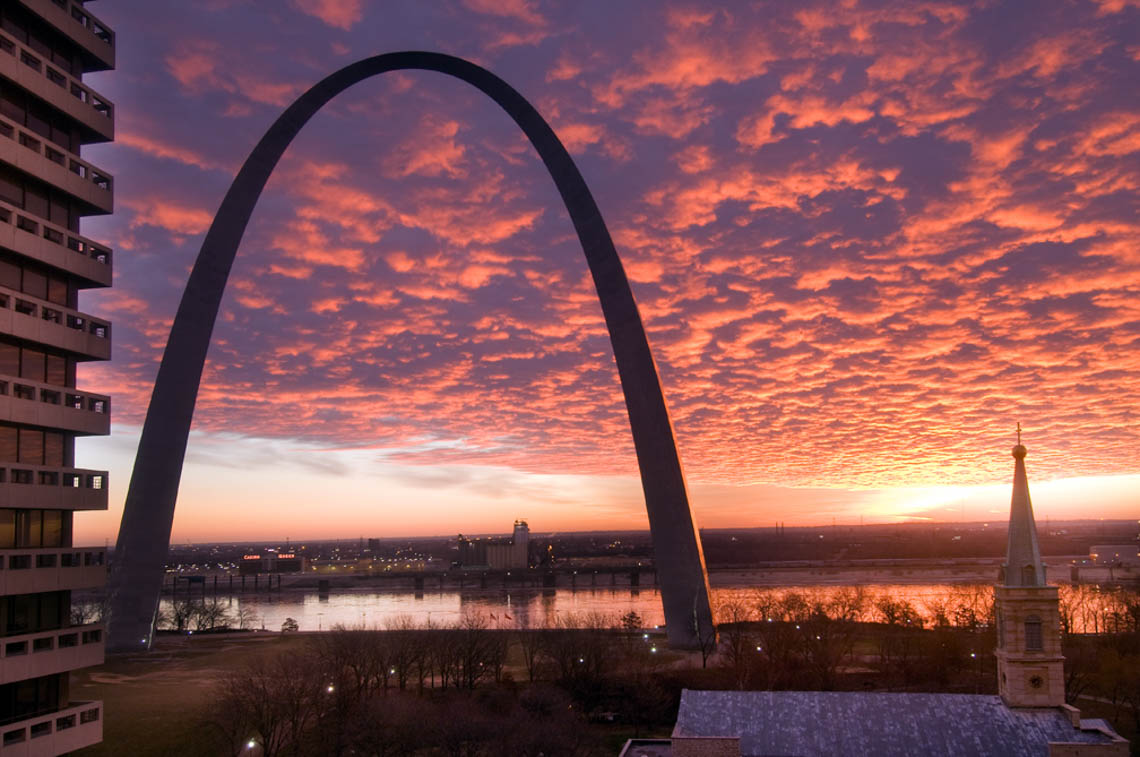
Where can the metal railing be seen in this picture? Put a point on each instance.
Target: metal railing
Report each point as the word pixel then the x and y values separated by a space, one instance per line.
pixel 54 233
pixel 71 85
pixel 64 158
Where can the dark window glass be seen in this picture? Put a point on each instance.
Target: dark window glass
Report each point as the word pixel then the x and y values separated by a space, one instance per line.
pixel 62 60
pixel 14 28
pixel 35 283
pixel 1033 640
pixel 31 446
pixel 21 614
pixel 7 529
pixel 53 528
pixel 26 698
pixel 35 202
pixel 53 448
pixel 9 359
pixel 31 363
pixel 12 109
pixel 11 188
pixel 56 370
pixel 61 135
pixel 9 275
pixel 8 446
pixel 29 528
pixel 39 45
pixel 58 210
pixel 50 615
pixel 37 124
pixel 57 290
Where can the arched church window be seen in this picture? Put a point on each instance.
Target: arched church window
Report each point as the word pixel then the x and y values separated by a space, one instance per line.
pixel 1033 634
pixel 1028 576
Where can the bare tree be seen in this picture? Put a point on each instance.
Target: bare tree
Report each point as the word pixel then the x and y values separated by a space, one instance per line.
pixel 245 617
pixel 271 702
pixel 738 645
pixel 210 615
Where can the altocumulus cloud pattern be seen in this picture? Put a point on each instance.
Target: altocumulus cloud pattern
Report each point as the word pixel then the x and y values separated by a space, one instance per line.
pixel 144 536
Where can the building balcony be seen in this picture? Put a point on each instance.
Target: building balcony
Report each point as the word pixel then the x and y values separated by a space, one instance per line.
pixel 52 487
pixel 30 571
pixel 37 404
pixel 55 246
pixel 82 27
pixel 43 322
pixel 60 732
pixel 66 93
pixel 46 653
pixel 28 152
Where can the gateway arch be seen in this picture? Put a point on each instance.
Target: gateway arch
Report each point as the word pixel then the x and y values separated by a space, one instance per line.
pixel 144 535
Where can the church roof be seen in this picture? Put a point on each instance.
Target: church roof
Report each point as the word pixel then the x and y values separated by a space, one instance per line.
pixel 862 724
pixel 1023 565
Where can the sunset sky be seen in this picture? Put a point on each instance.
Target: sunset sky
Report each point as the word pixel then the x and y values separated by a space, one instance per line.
pixel 867 239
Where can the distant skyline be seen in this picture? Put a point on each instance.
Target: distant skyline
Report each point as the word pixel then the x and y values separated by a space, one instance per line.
pixel 866 241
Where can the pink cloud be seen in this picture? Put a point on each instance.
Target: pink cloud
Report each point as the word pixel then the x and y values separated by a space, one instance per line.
pixel 342 14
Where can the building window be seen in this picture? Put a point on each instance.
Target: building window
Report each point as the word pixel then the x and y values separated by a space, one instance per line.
pixel 1033 641
pixel 1028 576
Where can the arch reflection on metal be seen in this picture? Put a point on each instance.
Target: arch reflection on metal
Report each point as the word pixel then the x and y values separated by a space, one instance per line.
pixel 144 535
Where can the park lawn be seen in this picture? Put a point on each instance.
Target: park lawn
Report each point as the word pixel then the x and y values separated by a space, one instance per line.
pixel 151 703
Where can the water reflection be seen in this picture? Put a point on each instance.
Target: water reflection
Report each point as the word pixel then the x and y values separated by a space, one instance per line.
pixel 1084 609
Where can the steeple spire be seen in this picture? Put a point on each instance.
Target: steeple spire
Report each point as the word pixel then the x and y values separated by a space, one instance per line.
pixel 1023 556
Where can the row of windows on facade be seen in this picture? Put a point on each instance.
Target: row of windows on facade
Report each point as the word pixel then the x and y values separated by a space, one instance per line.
pixel 36 365
pixel 37 116
pixel 34 529
pixel 40 199
pixel 33 446
pixel 27 276
pixel 31 697
pixel 32 613
pixel 42 38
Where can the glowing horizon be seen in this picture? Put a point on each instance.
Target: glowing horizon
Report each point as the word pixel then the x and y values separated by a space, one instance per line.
pixel 865 240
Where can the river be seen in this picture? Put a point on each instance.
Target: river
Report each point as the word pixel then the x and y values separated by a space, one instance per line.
pixel 1090 609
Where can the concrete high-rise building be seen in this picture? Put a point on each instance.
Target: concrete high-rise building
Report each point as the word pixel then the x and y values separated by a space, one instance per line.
pixel 47 113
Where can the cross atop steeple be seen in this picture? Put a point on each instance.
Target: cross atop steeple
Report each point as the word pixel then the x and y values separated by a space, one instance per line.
pixel 1019 433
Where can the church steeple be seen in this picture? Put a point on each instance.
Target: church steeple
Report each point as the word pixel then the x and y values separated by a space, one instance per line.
pixel 1023 566
pixel 1030 666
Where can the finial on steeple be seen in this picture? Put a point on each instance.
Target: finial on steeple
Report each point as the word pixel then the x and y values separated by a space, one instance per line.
pixel 1019 451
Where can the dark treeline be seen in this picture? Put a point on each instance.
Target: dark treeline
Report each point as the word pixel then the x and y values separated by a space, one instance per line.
pixel 850 639
pixel 472 690
pixel 412 691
